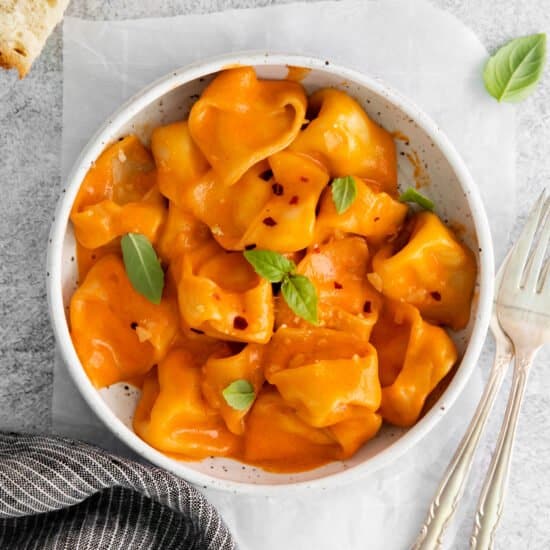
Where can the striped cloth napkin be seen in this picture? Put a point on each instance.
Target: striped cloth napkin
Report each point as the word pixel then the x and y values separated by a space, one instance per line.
pixel 57 493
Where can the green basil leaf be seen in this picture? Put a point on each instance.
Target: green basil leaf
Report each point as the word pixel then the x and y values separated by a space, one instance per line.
pixel 239 395
pixel 299 293
pixel 514 71
pixel 344 191
pixel 269 265
pixel 412 195
pixel 142 266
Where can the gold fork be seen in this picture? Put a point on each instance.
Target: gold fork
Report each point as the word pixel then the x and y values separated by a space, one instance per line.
pixel 523 310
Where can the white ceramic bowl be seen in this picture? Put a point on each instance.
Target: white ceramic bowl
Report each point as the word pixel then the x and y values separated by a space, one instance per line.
pixel 451 187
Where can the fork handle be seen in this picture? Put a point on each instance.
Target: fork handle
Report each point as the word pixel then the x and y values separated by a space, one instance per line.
pixel 491 501
pixel 450 490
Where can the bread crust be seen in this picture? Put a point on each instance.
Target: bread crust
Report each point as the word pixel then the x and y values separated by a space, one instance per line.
pixel 10 59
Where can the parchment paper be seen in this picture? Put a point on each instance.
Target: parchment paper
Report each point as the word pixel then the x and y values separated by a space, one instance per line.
pixel 426 54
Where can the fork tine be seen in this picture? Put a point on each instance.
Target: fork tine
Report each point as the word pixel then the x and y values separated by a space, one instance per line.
pixel 516 264
pixel 536 258
pixel 544 285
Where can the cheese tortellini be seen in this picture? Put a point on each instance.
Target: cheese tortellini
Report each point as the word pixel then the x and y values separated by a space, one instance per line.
pixel 240 120
pixel 433 272
pixel 347 141
pixel 119 195
pixel 228 363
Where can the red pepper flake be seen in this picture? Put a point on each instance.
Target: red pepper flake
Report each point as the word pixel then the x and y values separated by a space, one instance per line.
pixel 216 296
pixel 269 221
pixel 133 325
pixel 304 178
pixel 267 175
pixel 337 285
pixel 377 218
pixel 316 249
pixel 436 296
pixel 250 247
pixel 367 306
pixel 278 189
pixel 197 331
pixel 240 323
pixel 294 200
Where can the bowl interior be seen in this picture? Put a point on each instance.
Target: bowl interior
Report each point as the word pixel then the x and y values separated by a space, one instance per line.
pixel 421 161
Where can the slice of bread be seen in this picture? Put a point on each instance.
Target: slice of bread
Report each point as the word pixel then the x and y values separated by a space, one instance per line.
pixel 24 27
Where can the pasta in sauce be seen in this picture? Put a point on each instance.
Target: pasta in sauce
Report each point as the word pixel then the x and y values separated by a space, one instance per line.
pixel 252 168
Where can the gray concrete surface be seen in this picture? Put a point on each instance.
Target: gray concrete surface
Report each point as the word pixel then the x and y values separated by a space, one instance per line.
pixel 30 142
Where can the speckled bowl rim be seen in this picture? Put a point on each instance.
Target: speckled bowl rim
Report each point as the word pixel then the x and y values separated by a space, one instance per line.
pixel 95 147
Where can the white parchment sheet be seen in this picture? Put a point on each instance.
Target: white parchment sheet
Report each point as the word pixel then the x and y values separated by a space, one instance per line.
pixel 421 51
